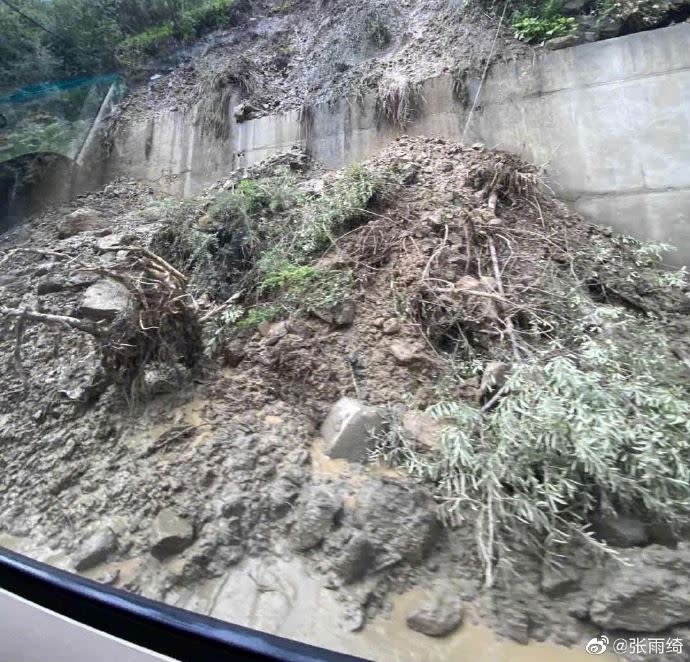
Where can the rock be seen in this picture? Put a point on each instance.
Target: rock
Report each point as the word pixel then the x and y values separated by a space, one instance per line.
pixel 620 531
pixel 244 111
pixel 281 497
pixel 80 220
pixel 311 187
pixel 438 616
pixel 404 352
pixel 649 594
pixel 233 353
pixel 422 428
pixel 104 300
pixel 171 534
pixel 356 559
pixel 340 315
pixel 161 380
pixel 400 523
pixel 558 580
pixel 348 429
pixel 391 327
pixel 51 285
pixel 573 7
pixel 494 377
pixel 609 27
pixel 354 619
pixel 94 550
pixel 315 518
pixel 109 241
pixel 566 41
pixel 274 332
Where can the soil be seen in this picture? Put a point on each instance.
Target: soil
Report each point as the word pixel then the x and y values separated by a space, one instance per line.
pixel 298 53
pixel 234 450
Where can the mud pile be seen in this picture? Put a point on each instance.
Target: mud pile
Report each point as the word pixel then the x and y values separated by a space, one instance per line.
pixel 456 261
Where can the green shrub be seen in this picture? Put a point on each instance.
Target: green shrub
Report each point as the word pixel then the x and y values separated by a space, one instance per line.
pixel 209 16
pixel 138 48
pixel 535 29
pixel 605 424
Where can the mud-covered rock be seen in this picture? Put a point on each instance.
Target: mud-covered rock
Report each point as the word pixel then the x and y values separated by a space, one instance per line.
pixel 171 534
pixel 94 550
pixel 400 522
pixel 315 517
pixel 439 615
pixel 649 594
pixel 355 558
pixel 348 429
pixel 339 315
pixel 557 580
pixel 81 220
pixel 620 530
pixel 104 300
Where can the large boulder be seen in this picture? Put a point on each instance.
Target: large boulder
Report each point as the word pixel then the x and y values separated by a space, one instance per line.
pixel 104 300
pixel 348 429
pixel 171 534
pixel 439 615
pixel 648 594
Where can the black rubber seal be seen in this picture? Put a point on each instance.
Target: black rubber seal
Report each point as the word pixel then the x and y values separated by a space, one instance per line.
pixel 177 633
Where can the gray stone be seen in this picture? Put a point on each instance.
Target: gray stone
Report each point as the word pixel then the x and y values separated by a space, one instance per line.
pixel 348 429
pixel 51 285
pixel 401 523
pixel 94 550
pixel 81 220
pixel 558 580
pixel 649 594
pixel 573 7
pixel 620 531
pixel 339 315
pixel 609 27
pixel 566 41
pixel 391 327
pixel 315 518
pixel 104 300
pixel 438 616
pixel 171 534
pixel 356 558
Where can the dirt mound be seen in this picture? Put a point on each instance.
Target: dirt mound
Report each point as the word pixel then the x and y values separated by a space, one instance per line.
pixel 433 273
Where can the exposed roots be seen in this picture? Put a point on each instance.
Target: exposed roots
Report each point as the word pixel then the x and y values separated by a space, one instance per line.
pixel 398 101
pixel 505 179
pixel 160 323
pixel 216 91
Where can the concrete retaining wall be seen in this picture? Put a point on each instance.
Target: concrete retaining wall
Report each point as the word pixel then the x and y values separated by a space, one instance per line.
pixel 610 121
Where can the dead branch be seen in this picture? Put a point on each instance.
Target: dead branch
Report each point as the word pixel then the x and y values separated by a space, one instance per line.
pixel 499 283
pixel 53 320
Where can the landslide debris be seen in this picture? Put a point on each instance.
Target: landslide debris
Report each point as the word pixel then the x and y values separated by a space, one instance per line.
pixel 291 55
pixel 531 370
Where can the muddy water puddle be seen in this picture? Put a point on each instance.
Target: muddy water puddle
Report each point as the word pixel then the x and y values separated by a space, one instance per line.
pixel 279 596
